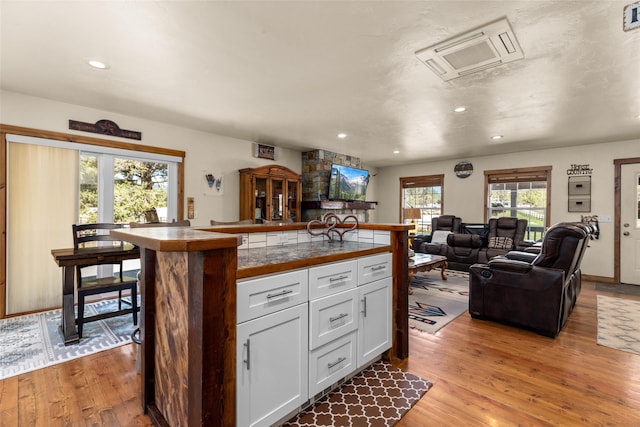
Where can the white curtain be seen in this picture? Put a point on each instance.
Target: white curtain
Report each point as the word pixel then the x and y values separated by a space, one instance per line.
pixel 42 196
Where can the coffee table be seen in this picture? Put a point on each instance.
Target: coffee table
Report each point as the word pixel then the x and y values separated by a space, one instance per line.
pixel 426 262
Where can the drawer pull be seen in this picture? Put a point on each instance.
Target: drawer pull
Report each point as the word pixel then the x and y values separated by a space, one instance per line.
pixel 248 347
pixel 337 279
pixel 379 267
pixel 337 362
pixel 279 294
pixel 338 317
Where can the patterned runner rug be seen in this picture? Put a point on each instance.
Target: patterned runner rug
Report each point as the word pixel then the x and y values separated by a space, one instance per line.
pixel 378 396
pixel 436 302
pixel 32 341
pixel 619 323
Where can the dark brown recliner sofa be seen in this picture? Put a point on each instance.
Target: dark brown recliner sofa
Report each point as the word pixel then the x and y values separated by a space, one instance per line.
pixel 538 295
pixel 501 236
pixel 447 223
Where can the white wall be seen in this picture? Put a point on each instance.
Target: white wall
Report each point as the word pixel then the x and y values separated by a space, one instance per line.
pixel 204 151
pixel 464 197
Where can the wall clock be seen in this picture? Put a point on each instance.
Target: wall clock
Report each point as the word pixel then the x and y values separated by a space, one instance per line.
pixel 463 169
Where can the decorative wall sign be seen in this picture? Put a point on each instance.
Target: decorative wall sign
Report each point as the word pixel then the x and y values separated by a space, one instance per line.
pixel 579 170
pixel 631 16
pixel 463 169
pixel 265 152
pixel 105 127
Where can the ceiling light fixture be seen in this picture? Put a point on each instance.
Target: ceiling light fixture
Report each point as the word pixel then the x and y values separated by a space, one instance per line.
pixel 460 109
pixel 342 135
pixel 100 65
pixel 496 137
pixel 396 151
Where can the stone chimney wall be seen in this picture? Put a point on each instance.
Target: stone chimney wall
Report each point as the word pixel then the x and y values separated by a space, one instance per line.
pixel 316 171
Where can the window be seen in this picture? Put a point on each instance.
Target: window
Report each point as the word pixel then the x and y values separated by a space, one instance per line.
pixel 124 188
pixel 423 193
pixel 521 193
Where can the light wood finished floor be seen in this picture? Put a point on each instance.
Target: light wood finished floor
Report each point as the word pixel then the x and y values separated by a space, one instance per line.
pixel 484 374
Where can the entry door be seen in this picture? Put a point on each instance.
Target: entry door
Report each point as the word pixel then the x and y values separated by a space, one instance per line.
pixel 630 224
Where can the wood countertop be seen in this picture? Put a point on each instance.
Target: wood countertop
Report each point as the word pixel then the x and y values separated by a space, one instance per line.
pixel 177 239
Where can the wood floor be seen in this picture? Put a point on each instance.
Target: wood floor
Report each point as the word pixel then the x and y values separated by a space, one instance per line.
pixel 483 374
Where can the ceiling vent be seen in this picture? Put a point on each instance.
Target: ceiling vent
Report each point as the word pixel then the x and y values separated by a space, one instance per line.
pixel 485 47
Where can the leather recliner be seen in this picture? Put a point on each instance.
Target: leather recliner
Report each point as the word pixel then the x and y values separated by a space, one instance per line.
pixel 443 223
pixel 538 295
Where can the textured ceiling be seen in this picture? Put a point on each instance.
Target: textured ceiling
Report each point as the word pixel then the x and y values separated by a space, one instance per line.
pixel 295 74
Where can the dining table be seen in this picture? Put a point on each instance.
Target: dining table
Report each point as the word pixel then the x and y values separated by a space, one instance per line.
pixel 68 259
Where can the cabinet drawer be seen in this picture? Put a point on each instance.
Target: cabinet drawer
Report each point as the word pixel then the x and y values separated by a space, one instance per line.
pixel 332 316
pixel 265 295
pixel 374 268
pixel 332 362
pixel 332 278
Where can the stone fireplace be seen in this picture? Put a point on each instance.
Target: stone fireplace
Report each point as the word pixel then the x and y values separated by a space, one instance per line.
pixel 316 171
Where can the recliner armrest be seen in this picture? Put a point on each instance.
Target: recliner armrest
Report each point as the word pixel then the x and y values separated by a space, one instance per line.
pixel 505 264
pixel 521 256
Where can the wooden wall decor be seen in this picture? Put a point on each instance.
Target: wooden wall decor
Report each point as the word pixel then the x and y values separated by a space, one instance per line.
pixel 105 127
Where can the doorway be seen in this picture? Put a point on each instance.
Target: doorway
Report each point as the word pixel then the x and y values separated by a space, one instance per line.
pixel 627 221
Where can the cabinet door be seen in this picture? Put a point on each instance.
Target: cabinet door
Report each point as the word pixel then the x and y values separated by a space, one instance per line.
pixel 374 326
pixel 272 364
pixel 277 199
pixel 293 199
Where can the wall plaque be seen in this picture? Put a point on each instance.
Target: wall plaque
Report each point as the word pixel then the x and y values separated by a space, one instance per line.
pixel 105 127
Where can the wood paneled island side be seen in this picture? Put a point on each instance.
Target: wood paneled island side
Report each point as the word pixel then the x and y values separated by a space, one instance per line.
pixel 188 327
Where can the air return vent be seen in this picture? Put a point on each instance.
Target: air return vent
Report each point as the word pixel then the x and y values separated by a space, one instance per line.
pixel 485 47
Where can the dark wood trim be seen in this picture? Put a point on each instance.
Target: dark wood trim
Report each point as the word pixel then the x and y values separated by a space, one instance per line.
pixel 617 211
pixel 601 279
pixel 212 338
pixel 80 139
pixel 147 321
pixel 400 294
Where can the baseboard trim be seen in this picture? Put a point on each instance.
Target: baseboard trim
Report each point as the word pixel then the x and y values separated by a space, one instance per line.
pixel 601 279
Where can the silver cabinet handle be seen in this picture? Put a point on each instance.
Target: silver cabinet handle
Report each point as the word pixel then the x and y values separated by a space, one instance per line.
pixel 338 317
pixel 364 307
pixel 247 360
pixel 339 278
pixel 380 267
pixel 279 294
pixel 337 362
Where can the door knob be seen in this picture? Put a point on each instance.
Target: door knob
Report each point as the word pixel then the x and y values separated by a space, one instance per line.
pixel 626 233
pixel 626 224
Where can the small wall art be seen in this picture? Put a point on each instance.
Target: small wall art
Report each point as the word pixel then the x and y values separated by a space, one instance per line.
pixel 213 184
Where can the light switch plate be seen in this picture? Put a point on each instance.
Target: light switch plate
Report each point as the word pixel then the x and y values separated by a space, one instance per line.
pixel 604 218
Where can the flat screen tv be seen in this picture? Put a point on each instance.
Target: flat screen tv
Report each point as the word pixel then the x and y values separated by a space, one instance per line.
pixel 348 183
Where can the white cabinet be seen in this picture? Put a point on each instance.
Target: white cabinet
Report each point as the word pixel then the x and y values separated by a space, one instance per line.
pixel 302 331
pixel 374 325
pixel 272 356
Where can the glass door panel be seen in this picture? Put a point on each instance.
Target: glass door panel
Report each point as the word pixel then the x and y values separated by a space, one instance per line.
pixel 292 200
pixel 277 194
pixel 261 199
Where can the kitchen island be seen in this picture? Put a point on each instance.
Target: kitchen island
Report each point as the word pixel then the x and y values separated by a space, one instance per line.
pixel 188 285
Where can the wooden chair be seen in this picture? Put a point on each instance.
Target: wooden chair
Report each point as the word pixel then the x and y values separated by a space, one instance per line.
pixel 97 235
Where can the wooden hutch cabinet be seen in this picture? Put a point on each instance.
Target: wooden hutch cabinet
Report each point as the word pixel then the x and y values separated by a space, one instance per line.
pixel 270 193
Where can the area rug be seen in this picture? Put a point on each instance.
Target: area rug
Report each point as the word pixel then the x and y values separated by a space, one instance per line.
pixel 378 396
pixel 32 341
pixel 619 323
pixel 436 302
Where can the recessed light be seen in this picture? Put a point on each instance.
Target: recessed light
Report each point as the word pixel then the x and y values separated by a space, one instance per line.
pixel 497 137
pixel 396 151
pixel 460 109
pixel 342 135
pixel 100 65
